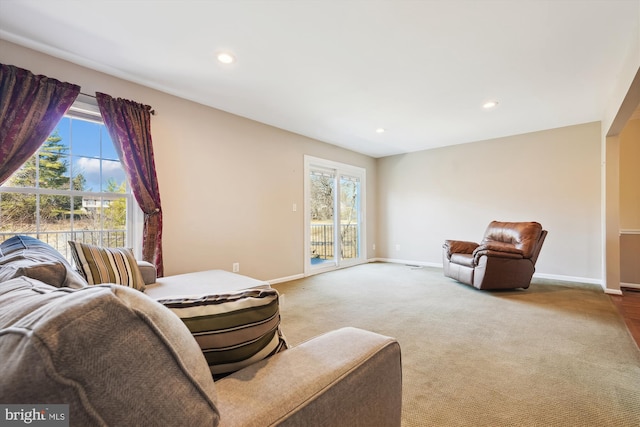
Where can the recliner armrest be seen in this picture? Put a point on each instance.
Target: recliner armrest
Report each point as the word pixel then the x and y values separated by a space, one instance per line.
pixel 498 250
pixel 502 247
pixel 459 247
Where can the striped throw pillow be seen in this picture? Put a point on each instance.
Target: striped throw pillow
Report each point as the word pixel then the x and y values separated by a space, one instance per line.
pixel 233 330
pixel 107 265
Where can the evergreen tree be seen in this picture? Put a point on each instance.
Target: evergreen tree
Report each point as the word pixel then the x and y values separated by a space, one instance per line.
pixel 20 209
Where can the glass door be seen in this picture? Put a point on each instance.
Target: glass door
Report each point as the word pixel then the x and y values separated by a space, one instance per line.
pixel 321 217
pixel 334 218
pixel 349 218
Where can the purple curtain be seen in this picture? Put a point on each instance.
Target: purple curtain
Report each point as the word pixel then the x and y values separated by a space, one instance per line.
pixel 30 108
pixel 129 125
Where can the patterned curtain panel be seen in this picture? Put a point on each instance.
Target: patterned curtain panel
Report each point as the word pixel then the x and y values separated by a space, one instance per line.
pixel 129 125
pixel 30 108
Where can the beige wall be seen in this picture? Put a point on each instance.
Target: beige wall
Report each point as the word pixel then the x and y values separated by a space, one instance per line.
pixel 227 184
pixel 630 176
pixel 624 99
pixel 622 102
pixel 630 203
pixel 551 176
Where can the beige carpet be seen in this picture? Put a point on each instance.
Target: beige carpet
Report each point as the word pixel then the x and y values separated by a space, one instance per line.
pixel 557 354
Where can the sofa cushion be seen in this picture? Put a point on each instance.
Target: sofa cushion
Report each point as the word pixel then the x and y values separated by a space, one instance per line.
pixel 114 355
pixel 28 256
pixel 107 265
pixel 35 266
pixel 233 330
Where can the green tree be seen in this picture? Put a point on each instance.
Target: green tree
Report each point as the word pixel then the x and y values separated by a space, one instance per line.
pixel 115 215
pixel 53 166
pixel 52 172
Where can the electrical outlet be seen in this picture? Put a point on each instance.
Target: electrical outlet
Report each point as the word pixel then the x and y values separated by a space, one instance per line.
pixel 397 247
pixel 236 267
pixel 374 246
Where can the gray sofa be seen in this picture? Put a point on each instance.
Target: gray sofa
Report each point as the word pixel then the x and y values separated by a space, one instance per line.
pixel 118 357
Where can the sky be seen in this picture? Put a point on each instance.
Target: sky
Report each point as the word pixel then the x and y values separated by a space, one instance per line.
pixel 86 141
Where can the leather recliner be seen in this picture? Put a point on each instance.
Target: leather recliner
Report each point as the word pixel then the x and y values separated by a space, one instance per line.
pixel 504 259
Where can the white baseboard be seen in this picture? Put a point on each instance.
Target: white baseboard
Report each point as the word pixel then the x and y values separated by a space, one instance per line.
pixel 559 277
pixel 630 285
pixel 537 275
pixel 407 262
pixel 285 279
pixel 568 278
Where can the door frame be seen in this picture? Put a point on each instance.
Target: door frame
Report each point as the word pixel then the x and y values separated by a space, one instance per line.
pixel 339 168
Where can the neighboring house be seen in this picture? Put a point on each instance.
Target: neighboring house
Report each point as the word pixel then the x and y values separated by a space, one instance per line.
pixel 88 203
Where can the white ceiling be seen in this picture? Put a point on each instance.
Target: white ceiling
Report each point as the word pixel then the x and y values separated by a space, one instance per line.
pixel 336 70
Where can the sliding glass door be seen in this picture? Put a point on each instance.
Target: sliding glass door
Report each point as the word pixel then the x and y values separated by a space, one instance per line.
pixel 334 217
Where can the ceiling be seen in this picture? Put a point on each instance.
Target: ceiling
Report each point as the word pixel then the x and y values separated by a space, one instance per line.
pixel 337 70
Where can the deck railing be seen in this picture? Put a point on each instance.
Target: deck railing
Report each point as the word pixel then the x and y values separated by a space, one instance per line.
pixel 322 237
pixel 59 239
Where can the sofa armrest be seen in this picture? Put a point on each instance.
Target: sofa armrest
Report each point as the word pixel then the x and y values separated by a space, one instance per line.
pixel 148 271
pixel 458 247
pixel 345 377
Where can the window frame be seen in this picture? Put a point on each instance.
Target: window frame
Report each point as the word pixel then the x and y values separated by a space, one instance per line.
pixel 84 108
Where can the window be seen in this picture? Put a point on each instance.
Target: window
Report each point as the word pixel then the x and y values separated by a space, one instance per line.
pixel 72 188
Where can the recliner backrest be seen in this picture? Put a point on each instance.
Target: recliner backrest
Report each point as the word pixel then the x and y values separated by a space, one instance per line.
pixel 522 235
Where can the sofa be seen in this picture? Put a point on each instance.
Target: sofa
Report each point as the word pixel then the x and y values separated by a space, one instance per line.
pixel 504 259
pixel 120 355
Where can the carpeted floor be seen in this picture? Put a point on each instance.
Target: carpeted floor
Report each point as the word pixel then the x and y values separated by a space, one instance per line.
pixel 556 354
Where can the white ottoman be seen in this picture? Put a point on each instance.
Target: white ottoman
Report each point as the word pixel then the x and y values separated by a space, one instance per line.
pixel 210 282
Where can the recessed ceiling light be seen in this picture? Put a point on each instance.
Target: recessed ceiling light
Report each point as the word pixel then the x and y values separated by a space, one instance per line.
pixel 380 130
pixel 225 58
pixel 490 104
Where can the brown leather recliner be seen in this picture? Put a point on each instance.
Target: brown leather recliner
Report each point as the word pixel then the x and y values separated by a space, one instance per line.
pixel 505 259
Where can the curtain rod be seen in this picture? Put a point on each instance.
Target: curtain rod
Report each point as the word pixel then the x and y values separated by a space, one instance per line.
pixel 152 111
